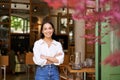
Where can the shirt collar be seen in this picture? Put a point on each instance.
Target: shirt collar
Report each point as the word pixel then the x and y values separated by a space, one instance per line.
pixel 53 42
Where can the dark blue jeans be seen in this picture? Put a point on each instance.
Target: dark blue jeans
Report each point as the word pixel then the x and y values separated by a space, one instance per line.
pixel 47 72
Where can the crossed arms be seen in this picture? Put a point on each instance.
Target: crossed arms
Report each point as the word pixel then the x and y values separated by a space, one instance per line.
pixel 51 60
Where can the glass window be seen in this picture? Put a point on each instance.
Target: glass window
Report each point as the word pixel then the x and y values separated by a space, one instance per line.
pixel 20 25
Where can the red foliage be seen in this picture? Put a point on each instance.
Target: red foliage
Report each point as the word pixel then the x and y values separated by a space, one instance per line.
pixel 111 16
pixel 113 59
pixel 54 3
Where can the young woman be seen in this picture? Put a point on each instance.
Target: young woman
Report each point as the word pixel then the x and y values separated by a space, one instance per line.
pixel 48 53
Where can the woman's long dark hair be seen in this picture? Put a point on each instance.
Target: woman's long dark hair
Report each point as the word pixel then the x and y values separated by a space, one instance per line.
pixel 44 22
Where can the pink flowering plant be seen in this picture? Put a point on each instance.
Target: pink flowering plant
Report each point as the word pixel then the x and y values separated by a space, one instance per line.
pixel 107 11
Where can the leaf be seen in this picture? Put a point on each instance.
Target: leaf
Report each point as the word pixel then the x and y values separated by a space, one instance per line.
pixel 113 59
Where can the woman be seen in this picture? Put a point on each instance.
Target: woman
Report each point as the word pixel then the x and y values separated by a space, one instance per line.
pixel 48 53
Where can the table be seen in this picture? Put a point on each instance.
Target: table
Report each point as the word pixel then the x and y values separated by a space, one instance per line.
pixel 83 70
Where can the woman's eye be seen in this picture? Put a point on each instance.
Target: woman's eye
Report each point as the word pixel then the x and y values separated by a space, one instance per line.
pixel 50 28
pixel 44 28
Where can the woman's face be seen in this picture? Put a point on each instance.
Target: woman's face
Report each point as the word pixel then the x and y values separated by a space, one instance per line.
pixel 47 30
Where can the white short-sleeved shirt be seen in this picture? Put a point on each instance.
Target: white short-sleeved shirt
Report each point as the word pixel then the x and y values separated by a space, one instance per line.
pixel 41 48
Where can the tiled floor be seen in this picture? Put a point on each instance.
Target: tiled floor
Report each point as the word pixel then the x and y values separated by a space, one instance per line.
pixel 19 76
pixel 24 76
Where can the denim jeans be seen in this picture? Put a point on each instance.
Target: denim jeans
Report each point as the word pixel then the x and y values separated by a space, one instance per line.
pixel 47 72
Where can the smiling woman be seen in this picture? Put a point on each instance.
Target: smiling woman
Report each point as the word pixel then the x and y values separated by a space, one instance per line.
pixel 47 53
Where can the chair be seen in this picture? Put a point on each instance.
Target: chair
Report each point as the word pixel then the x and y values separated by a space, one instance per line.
pixel 91 75
pixel 4 61
pixel 71 50
pixel 29 59
pixel 20 62
pixel 62 68
pixel 0 73
pixel 29 62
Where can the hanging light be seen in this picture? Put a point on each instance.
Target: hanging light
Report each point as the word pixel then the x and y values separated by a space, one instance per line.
pixel 27 6
pixel 15 5
pixel 35 9
pixel 63 10
pixel 3 5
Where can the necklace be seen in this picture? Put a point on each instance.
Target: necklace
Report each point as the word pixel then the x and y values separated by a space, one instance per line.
pixel 48 41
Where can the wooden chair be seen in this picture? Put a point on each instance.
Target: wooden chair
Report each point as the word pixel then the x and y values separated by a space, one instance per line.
pixel 62 68
pixel 4 62
pixel 91 75
pixel 0 74
pixel 71 50
pixel 29 59
pixel 29 62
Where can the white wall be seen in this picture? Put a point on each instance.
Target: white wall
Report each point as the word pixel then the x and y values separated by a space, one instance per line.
pixel 80 42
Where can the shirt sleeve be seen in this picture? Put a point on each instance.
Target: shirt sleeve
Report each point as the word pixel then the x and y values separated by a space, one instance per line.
pixel 60 58
pixel 36 55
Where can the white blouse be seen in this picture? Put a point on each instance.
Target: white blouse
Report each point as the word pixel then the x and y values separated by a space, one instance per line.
pixel 41 48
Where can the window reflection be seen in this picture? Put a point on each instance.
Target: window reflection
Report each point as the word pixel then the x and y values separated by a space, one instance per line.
pixel 20 25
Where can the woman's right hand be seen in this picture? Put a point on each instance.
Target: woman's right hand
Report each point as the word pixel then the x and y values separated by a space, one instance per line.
pixel 49 62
